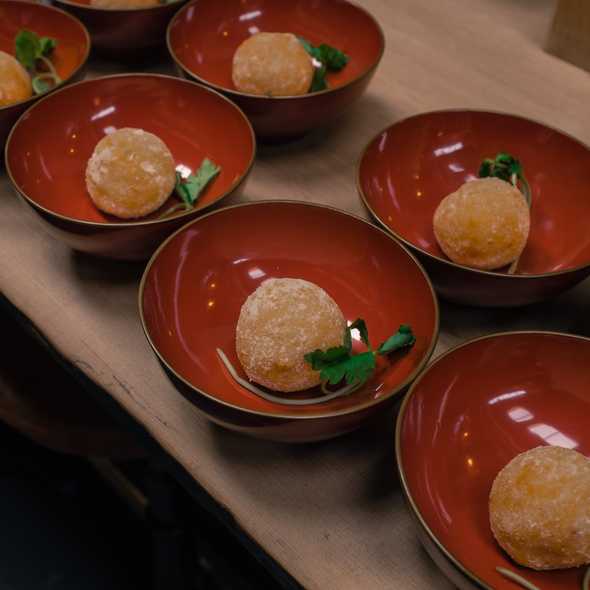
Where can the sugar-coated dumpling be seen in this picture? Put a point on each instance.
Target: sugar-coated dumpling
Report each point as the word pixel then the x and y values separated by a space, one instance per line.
pixel 540 508
pixel 131 173
pixel 279 323
pixel 273 64
pixel 15 82
pixel 123 4
pixel 484 224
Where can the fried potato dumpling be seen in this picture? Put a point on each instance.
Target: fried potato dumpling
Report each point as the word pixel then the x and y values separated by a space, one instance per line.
pixel 15 82
pixel 123 4
pixel 273 64
pixel 540 508
pixel 130 174
pixel 484 224
pixel 279 323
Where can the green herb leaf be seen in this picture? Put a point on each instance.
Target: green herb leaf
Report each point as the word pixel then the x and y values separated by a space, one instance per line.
pixel 329 58
pixel 319 359
pixel 332 57
pixel 354 370
pixel 485 169
pixel 360 325
pixel 319 79
pixel 348 339
pixel 189 189
pixel 313 51
pixel 358 368
pixel 32 51
pixel 47 45
pixel 403 338
pixel 28 48
pixel 40 84
pixel 338 363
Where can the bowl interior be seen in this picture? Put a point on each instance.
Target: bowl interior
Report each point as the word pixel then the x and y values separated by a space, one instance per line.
pixel 411 166
pixel 472 412
pixel 50 146
pixel 204 35
pixel 198 281
pixel 72 42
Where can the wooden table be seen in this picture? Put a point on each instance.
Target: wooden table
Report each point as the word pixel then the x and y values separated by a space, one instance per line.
pixel 331 514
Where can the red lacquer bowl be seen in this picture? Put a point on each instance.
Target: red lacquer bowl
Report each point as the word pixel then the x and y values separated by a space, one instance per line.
pixel 69 57
pixel 124 34
pixel 49 147
pixel 411 166
pixel 204 35
pixel 472 411
pixel 195 284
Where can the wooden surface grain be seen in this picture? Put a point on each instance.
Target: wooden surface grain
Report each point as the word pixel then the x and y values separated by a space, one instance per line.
pixel 332 514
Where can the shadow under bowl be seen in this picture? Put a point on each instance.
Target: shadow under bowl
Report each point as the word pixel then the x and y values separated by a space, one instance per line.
pixel 472 411
pixel 408 168
pixel 49 147
pixel 203 37
pixel 69 56
pixel 195 284
pixel 129 34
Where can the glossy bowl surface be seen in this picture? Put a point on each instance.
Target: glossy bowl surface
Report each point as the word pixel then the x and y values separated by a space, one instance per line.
pixel 468 415
pixel 412 165
pixel 197 281
pixel 203 37
pixel 69 57
pixel 48 150
pixel 124 34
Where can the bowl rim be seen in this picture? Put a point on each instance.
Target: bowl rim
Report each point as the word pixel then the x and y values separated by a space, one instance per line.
pixel 237 93
pixel 88 45
pixel 434 257
pixel 471 575
pixel 139 222
pixel 118 10
pixel 289 415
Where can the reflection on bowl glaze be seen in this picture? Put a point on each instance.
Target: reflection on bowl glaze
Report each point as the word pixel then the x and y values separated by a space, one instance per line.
pixel 466 417
pixel 408 168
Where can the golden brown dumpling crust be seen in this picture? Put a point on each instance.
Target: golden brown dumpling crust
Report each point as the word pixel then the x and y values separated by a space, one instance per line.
pixel 15 82
pixel 273 64
pixel 540 508
pixel 484 224
pixel 130 174
pixel 279 323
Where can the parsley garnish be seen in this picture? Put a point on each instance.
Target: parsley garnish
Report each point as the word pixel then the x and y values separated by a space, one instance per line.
pixel 189 189
pixel 506 167
pixel 32 51
pixel 327 58
pixel 339 363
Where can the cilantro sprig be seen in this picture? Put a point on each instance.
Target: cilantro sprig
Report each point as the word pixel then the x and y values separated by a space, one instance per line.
pixel 506 167
pixel 335 364
pixel 189 189
pixel 33 52
pixel 340 364
pixel 328 58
